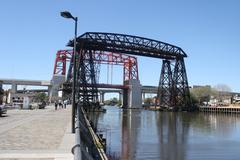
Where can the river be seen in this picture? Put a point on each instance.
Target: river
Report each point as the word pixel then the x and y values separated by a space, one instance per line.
pixel 146 135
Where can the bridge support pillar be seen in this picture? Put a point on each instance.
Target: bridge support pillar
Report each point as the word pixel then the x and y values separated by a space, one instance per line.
pixel 143 97
pixel 102 97
pixel 181 89
pixel 1 93
pixel 125 98
pixel 14 88
pixel 13 91
pixel 49 91
pixel 134 93
pixel 165 93
pixel 57 81
pixel 120 97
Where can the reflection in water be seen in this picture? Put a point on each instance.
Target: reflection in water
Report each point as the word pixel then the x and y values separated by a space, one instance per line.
pixel 130 124
pixel 172 132
pixel 142 134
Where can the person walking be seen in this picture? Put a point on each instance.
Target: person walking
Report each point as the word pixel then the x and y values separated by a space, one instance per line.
pixel 56 104
pixel 60 104
pixel 65 104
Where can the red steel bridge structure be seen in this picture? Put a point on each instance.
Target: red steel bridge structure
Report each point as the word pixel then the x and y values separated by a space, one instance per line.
pixel 129 63
pixel 95 48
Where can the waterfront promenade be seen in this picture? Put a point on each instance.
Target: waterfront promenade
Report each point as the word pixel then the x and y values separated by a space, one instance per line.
pixel 36 134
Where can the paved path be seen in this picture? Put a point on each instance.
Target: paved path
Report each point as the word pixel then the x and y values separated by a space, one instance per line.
pixel 36 134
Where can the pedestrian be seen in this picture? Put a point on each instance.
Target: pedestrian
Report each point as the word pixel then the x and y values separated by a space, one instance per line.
pixel 60 104
pixel 55 105
pixel 65 104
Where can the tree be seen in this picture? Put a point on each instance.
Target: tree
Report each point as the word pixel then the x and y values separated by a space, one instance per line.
pixel 222 90
pixel 148 100
pixel 194 99
pixel 40 97
pixel 114 100
pixel 201 94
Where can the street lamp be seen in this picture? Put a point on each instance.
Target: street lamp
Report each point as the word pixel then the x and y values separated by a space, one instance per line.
pixel 67 14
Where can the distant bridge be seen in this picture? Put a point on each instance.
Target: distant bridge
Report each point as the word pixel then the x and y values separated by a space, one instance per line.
pixel 25 82
pixel 103 88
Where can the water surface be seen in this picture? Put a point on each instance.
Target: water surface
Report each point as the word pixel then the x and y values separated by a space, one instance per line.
pixel 142 134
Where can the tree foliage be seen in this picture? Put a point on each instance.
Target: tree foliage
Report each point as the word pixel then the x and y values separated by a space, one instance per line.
pixel 40 97
pixel 222 88
pixel 204 93
pixel 201 94
pixel 112 101
pixel 148 100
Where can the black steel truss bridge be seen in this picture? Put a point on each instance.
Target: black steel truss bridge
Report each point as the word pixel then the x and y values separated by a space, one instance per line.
pixel 173 89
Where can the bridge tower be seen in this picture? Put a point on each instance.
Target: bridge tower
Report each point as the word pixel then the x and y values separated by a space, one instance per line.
pixel 181 91
pixel 173 90
pixel 87 92
pixel 165 92
pixel 58 73
pixel 132 96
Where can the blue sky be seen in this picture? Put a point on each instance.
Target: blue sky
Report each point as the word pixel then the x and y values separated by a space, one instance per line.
pixel 207 30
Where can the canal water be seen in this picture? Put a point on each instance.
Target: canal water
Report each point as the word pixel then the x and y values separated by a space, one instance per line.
pixel 146 135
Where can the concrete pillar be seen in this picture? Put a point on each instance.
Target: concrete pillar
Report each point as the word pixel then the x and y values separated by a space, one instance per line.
pixel 56 82
pixel 1 93
pixel 49 90
pixel 125 98
pixel 143 97
pixel 13 92
pixel 14 88
pixel 121 97
pixel 134 93
pixel 102 97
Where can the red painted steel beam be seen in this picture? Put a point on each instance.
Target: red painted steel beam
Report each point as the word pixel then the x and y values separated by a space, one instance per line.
pixel 128 62
pixel 102 85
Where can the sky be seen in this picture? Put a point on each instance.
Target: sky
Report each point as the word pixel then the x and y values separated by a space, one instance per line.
pixel 31 32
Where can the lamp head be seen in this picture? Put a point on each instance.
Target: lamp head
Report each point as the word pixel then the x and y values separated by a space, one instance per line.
pixel 67 14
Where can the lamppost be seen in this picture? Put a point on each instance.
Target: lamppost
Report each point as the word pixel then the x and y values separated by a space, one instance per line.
pixel 67 14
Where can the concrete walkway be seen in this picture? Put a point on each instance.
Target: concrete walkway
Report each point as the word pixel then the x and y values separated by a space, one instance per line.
pixel 36 134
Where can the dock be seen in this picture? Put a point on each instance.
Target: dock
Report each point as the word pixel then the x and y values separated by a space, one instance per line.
pixel 220 109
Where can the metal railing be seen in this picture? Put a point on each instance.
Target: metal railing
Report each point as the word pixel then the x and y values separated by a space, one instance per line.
pixel 76 150
pixel 86 141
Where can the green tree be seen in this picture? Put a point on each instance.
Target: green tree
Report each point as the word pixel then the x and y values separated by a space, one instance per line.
pixel 201 94
pixel 40 97
pixel 221 91
pixel 147 100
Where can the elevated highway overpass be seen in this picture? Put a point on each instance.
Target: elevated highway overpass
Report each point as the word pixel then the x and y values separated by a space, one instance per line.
pixel 103 88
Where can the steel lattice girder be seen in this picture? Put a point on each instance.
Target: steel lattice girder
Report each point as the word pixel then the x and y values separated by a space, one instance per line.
pixel 128 44
pixel 60 62
pixel 173 90
pixel 181 88
pixel 86 96
pixel 165 85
